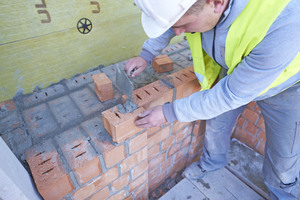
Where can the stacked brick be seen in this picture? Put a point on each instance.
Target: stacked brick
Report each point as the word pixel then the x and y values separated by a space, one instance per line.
pixel 124 162
pixel 250 128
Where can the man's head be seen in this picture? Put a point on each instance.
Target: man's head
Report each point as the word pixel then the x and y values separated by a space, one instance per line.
pixel 183 15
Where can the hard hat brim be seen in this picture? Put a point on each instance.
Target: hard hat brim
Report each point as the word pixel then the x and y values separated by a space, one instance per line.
pixel 151 28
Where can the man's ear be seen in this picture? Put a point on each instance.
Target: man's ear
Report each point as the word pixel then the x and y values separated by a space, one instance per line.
pixel 219 5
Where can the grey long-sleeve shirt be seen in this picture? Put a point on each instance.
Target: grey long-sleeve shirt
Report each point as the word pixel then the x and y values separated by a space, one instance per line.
pixel 252 76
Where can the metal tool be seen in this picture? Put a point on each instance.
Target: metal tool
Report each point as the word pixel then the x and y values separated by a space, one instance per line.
pixel 124 83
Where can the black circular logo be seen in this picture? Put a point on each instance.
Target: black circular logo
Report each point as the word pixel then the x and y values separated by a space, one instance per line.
pixel 84 26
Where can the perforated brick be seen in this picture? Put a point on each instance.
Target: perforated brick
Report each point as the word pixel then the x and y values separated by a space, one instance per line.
pixel 121 126
pixel 185 81
pixel 80 155
pixel 50 177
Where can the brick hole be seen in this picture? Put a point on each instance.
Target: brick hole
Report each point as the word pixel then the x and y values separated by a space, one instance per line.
pixel 138 97
pixel 39 153
pixel 48 171
pixel 117 115
pixel 178 78
pixel 80 154
pixel 84 77
pixel 54 89
pixel 76 81
pixel 76 146
pixel 185 75
pixel 147 92
pixel 44 161
pixel 155 89
pixel 36 97
pixel 46 94
pixel 37 118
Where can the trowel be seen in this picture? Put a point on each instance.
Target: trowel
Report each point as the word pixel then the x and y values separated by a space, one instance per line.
pixel 124 83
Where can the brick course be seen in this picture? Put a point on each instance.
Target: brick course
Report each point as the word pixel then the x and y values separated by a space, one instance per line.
pixel 141 160
pixel 250 128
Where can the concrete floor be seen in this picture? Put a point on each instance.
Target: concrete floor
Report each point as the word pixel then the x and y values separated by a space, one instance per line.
pixel 240 179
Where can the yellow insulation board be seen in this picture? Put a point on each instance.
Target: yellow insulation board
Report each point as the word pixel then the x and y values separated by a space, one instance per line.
pixel 41 41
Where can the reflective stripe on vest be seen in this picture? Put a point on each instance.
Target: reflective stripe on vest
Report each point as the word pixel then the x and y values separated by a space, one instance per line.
pixel 248 30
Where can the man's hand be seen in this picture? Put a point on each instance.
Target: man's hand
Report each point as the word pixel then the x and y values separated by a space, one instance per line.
pixel 151 118
pixel 137 63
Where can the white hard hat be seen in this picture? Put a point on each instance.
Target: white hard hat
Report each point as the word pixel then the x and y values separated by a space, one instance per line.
pixel 159 15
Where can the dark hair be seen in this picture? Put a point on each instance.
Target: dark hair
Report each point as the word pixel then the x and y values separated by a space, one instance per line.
pixel 196 7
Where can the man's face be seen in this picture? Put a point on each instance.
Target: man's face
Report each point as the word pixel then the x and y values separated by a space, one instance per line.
pixel 203 21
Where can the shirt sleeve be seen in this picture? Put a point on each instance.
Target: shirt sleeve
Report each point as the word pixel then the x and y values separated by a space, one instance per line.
pixel 153 46
pixel 251 76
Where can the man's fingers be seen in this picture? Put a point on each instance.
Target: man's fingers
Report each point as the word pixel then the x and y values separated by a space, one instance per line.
pixel 145 113
pixel 143 122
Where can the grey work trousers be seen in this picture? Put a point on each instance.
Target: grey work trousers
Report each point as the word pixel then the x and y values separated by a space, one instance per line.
pixel 281 165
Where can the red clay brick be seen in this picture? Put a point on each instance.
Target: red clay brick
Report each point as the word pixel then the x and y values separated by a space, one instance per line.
pixel 156 161
pixel 162 63
pixel 141 192
pixel 137 182
pixel 152 130
pixel 103 87
pixel 118 196
pixel 186 141
pixel 97 184
pixel 133 160
pixel 114 156
pixel 250 115
pixel 7 105
pixel 177 166
pixel 153 94
pixel 166 164
pixel 155 182
pixel 102 194
pixel 80 155
pixel 120 182
pixel 153 173
pixel 182 133
pixel 137 142
pixel 241 121
pixel 158 136
pixel 167 143
pixel 185 81
pixel 121 126
pixel 260 148
pixel 251 128
pixel 251 104
pixel 196 144
pixel 129 197
pixel 173 149
pixel 261 122
pixel 140 169
pixel 257 109
pixel 179 125
pixel 248 139
pixel 262 136
pixel 181 154
pixel 50 177
pixel 154 151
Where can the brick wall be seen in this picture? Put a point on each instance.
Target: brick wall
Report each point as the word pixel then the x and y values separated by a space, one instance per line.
pixel 250 128
pixel 122 162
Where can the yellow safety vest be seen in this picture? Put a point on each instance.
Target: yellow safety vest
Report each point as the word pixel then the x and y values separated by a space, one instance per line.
pixel 248 30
